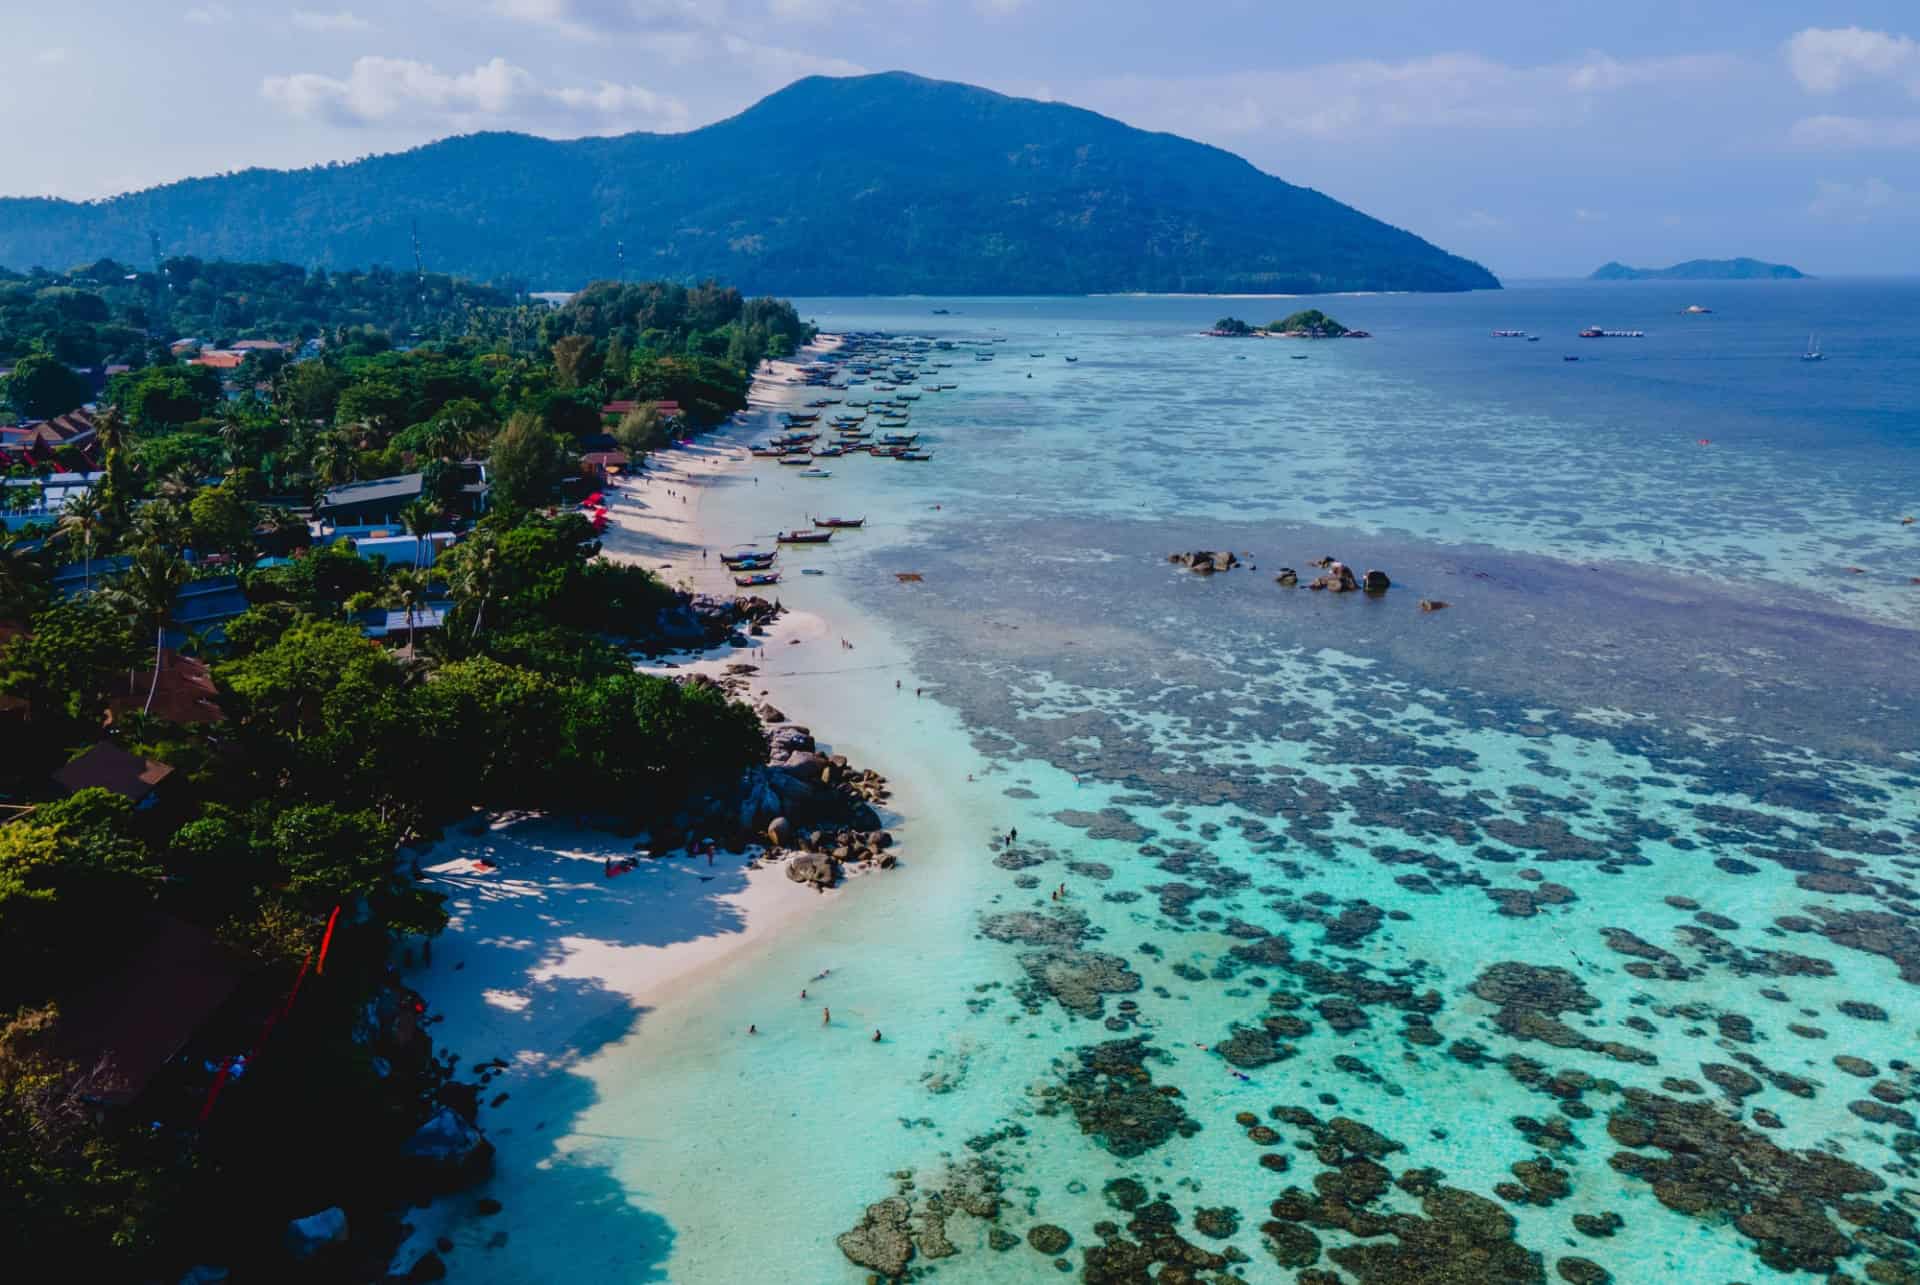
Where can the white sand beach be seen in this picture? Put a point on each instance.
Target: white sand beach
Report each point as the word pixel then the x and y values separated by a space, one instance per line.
pixel 655 516
pixel 547 959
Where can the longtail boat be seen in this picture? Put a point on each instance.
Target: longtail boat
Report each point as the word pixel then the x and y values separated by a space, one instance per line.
pixel 804 537
pixel 840 523
pixel 914 455
pixel 757 578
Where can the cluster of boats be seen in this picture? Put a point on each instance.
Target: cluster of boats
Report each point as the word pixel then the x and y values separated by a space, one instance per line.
pixel 864 404
pixel 872 384
pixel 753 568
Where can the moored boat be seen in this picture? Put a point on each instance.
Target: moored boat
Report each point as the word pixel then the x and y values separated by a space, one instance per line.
pixel 804 537
pixel 757 578
pixel 840 523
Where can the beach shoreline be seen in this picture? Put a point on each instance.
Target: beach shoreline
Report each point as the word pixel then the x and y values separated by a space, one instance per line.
pixel 557 959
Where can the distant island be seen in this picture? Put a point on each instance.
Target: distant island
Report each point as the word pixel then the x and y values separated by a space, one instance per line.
pixel 1309 324
pixel 1702 270
pixel 885 184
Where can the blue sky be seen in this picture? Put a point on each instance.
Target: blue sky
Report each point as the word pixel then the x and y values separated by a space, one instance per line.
pixel 1540 138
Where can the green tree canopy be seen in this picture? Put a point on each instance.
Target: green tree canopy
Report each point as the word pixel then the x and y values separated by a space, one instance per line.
pixel 525 463
pixel 42 386
pixel 162 397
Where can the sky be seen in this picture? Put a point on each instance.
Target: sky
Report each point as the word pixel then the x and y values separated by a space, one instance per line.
pixel 1541 138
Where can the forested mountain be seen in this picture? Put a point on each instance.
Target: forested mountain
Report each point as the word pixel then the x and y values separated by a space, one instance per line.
pixel 873 184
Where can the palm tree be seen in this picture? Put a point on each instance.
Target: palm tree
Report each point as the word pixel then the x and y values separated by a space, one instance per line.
pixel 333 460
pixel 177 485
pixel 476 576
pixel 84 518
pixel 234 431
pixel 20 576
pixel 146 592
pixel 110 432
pixel 420 518
pixel 407 589
pixel 162 524
pixel 276 522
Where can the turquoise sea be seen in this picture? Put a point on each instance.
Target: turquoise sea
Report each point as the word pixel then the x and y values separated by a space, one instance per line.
pixel 1570 931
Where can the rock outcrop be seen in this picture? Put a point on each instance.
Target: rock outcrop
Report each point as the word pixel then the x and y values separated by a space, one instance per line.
pixel 1205 561
pixel 315 1234
pixel 448 1152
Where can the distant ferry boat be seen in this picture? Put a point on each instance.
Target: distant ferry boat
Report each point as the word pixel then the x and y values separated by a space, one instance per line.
pixel 1595 332
pixel 1509 334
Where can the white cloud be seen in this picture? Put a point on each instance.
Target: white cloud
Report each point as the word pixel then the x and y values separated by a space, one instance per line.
pixel 586 19
pixel 1826 59
pixel 209 14
pixel 496 94
pixel 1372 98
pixel 1601 74
pixel 1481 221
pixel 51 57
pixel 1855 133
pixel 804 11
pixel 1589 216
pixel 689 32
pixel 329 23
pixel 1860 202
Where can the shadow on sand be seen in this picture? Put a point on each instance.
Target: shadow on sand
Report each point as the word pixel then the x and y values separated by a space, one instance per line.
pixel 522 978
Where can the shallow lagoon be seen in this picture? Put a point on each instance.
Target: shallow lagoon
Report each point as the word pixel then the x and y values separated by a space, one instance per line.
pixel 1661 749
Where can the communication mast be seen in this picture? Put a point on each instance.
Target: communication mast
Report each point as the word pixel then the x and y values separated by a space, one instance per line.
pixel 419 267
pixel 162 285
pixel 620 257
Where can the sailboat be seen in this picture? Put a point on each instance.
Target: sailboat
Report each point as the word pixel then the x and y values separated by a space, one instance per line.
pixel 1813 350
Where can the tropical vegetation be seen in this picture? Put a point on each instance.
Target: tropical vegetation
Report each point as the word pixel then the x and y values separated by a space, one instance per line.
pixel 282 824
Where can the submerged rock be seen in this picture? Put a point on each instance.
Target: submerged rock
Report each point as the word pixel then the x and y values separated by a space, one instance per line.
pixel 1717 1168
pixel 1077 979
pixel 1113 1098
pixel 880 1241
pixel 1048 1238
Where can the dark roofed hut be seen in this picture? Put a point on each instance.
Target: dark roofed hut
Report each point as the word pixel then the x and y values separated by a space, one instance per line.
pixel 108 767
pixel 136 1018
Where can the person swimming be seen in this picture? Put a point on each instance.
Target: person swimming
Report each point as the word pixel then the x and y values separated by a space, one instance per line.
pixel 826 1016
pixel 752 1029
pixel 876 1035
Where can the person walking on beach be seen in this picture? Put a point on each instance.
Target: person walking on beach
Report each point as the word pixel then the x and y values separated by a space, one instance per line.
pixel 876 1035
pixel 752 1029
pixel 826 1016
pixel 803 992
